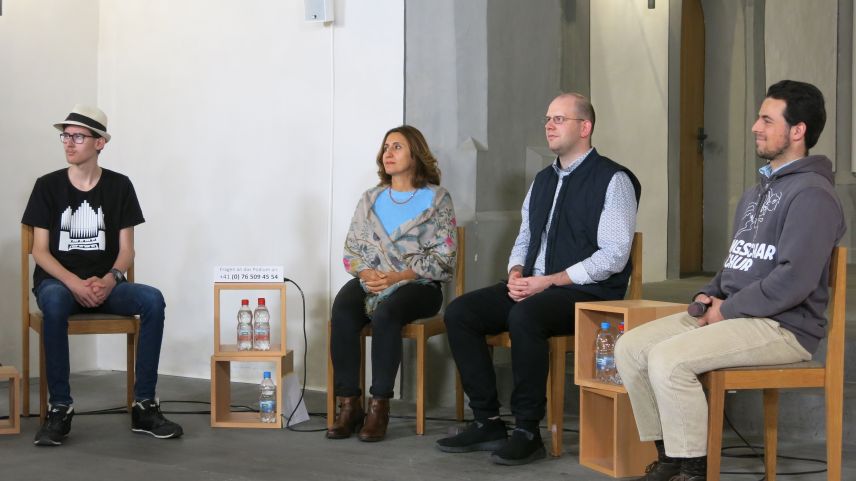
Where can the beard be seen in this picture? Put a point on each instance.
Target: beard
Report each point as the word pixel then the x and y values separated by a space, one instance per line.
pixel 773 154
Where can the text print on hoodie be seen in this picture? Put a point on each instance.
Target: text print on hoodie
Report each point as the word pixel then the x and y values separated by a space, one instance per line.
pixel 778 262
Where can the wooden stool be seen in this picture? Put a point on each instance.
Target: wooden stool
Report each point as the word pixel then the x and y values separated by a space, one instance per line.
pixel 13 424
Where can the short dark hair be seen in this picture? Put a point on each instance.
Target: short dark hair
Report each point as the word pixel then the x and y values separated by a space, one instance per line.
pixel 803 103
pixel 427 170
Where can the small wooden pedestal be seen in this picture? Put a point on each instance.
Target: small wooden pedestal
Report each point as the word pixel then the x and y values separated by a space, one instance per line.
pixel 221 390
pixel 609 440
pixel 225 354
pixel 13 424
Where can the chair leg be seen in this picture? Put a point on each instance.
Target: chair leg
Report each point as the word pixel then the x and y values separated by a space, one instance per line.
pixel 131 354
pixel 834 427
pixel 420 382
pixel 43 382
pixel 25 371
pixel 459 397
pixel 771 431
pixel 558 347
pixel 331 395
pixel 365 395
pixel 716 412
pixel 550 402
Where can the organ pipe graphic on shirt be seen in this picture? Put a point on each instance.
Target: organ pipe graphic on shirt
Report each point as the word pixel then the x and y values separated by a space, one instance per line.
pixel 82 229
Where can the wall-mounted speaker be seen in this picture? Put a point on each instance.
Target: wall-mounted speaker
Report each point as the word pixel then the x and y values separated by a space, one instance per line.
pixel 318 10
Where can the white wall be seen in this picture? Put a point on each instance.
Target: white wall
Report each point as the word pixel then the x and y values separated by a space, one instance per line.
pixel 47 63
pixel 249 135
pixel 629 85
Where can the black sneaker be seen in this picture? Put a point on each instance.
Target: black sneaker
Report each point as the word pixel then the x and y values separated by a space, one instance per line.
pixel 689 477
pixel 661 471
pixel 57 425
pixel 522 448
pixel 485 435
pixel 146 418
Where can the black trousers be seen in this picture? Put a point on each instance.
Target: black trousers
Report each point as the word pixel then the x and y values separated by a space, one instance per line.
pixel 405 305
pixel 530 322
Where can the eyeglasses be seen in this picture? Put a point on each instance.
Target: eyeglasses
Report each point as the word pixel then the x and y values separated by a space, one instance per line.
pixel 78 138
pixel 558 119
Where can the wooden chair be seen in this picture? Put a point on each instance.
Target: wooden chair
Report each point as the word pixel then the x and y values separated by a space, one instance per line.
pixel 770 379
pixel 559 347
pixel 420 331
pixel 77 324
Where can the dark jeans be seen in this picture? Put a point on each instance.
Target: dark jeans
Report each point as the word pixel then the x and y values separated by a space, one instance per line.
pixel 127 299
pixel 530 322
pixel 405 305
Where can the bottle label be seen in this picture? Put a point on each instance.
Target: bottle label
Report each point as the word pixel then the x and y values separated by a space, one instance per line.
pixel 267 407
pixel 262 334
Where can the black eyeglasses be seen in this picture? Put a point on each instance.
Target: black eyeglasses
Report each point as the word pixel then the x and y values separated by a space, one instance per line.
pixel 78 138
pixel 558 119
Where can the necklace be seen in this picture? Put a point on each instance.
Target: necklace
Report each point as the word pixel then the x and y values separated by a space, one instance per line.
pixel 412 195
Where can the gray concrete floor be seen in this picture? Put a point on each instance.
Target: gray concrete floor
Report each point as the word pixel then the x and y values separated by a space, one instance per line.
pixel 102 446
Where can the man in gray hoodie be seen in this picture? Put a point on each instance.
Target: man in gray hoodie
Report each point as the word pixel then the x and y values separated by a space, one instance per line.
pixel 765 306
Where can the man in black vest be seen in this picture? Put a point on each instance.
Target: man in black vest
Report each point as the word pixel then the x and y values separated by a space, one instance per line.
pixel 577 227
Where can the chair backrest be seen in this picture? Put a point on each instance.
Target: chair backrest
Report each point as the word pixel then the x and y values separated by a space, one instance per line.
pixel 837 298
pixel 460 261
pixel 635 290
pixel 26 250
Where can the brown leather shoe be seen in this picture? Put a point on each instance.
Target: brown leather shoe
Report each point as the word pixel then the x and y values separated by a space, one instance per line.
pixel 377 419
pixel 349 419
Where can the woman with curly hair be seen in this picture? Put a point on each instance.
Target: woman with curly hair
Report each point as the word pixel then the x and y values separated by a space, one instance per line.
pixel 400 248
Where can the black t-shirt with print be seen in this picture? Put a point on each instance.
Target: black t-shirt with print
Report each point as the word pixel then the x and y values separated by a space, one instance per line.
pixel 84 226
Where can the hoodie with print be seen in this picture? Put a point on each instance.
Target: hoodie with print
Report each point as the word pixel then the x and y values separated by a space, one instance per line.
pixel 778 261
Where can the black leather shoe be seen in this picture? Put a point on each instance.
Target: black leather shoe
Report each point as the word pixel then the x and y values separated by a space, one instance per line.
pixel 660 471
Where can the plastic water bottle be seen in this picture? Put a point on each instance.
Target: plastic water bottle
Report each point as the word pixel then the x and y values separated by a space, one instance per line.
pixel 245 326
pixel 267 399
pixel 604 354
pixel 616 379
pixel 261 327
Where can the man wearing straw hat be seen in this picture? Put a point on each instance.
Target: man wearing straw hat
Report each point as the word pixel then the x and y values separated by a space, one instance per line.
pixel 83 219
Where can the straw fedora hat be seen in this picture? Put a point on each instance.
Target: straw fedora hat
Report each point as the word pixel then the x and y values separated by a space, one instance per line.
pixel 85 116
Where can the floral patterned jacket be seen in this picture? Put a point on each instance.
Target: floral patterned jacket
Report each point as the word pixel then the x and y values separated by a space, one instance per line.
pixel 426 244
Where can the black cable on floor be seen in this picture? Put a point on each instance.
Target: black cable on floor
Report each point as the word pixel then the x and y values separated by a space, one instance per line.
pixel 757 455
pixel 287 422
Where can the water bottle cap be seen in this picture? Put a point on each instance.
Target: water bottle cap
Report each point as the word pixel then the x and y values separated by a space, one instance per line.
pixel 604 325
pixel 267 375
pixel 261 301
pixel 245 302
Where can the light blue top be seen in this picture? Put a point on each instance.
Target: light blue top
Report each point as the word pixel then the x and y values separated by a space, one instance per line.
pixel 392 214
pixel 767 171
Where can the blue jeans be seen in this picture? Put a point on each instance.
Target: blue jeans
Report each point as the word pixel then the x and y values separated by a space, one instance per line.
pixel 127 299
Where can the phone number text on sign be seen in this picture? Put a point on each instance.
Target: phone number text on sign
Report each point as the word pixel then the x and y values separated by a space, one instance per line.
pixel 248 274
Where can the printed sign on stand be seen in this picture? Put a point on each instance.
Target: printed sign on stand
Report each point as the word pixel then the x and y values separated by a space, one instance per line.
pixel 248 274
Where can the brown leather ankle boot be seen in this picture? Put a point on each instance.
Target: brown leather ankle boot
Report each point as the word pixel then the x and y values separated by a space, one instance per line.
pixel 377 419
pixel 349 419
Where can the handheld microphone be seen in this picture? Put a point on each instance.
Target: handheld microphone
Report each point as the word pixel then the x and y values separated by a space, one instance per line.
pixel 697 309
